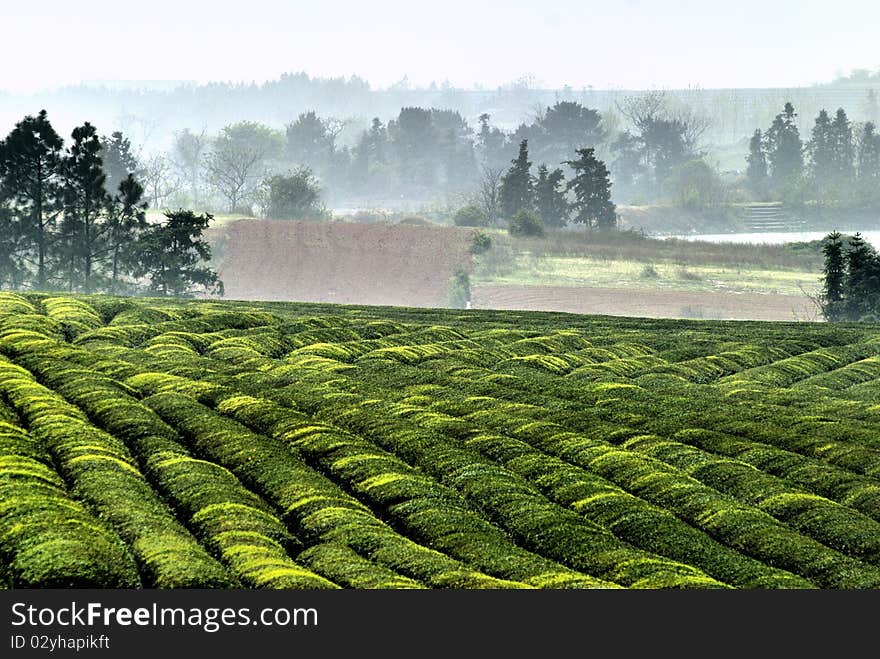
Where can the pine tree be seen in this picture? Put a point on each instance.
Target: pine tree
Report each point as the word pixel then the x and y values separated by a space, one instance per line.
pixel 756 173
pixel 31 159
pixel 784 148
pixel 869 154
pixel 592 190
pixel 550 201
pixel 490 144
pixel 170 253
pixel 126 218
pixel 843 148
pixel 118 160
pixel 517 186
pixel 867 186
pixel 835 275
pixel 370 171
pixel 821 148
pixel 13 270
pixel 857 284
pixel 85 203
pixel 872 107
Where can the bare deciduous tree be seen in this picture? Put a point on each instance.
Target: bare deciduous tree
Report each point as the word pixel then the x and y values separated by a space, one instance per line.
pixel 489 191
pixel 156 174
pixel 188 158
pixel 645 110
pixel 236 162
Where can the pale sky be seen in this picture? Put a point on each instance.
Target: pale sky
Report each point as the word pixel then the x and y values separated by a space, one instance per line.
pixel 606 43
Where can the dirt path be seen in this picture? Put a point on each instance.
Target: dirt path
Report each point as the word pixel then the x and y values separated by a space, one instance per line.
pixel 653 304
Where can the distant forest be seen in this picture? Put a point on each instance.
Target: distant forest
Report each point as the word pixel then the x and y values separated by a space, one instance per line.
pixel 408 147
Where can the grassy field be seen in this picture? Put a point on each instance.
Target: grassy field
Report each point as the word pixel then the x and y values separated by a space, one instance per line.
pixel 629 274
pixel 634 246
pixel 631 261
pixel 148 443
pixel 585 271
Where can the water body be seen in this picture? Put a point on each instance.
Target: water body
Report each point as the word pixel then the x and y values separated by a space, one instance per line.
pixel 774 238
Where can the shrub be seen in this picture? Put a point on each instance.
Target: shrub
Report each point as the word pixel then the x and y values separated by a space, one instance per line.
pixel 296 196
pixel 480 243
pixel 415 221
pixel 459 290
pixel 649 272
pixel 470 216
pixel 526 224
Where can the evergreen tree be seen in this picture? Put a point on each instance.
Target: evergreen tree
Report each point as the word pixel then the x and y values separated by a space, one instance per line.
pixel 869 154
pixel 170 254
pixel 370 170
pixel 858 284
pixel 592 189
pixel 85 203
pixel 784 148
pixel 835 277
pixel 843 148
pixel 517 187
pixel 563 127
pixel 756 173
pixel 550 201
pixel 118 160
pixel 491 144
pixel 311 141
pixel 455 150
pixel 851 287
pixel 666 146
pixel 13 270
pixel 821 148
pixel 414 143
pixel 31 159
pixel 377 141
pixel 872 107
pixel 126 218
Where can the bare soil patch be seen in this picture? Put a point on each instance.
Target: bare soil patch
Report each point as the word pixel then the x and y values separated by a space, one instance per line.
pixel 651 304
pixel 341 262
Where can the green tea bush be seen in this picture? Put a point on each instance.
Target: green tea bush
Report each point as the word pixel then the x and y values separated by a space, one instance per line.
pixel 48 539
pixel 271 445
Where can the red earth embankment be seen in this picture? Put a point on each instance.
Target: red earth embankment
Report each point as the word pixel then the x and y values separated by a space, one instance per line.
pixel 341 262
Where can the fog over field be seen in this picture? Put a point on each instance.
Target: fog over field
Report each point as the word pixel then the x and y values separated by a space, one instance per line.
pixel 453 48
pixel 603 44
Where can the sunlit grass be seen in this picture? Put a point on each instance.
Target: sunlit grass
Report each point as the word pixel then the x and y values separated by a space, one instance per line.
pixel 528 269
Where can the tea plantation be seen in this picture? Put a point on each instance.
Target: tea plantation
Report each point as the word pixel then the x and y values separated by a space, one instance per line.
pixel 156 444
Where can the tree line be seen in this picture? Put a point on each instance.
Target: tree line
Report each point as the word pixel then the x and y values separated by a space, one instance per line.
pixel 530 203
pixel 151 110
pixel 73 217
pixel 421 154
pixel 839 165
pixel 652 146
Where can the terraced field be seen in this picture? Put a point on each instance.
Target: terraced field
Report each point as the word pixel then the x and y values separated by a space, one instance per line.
pixel 195 444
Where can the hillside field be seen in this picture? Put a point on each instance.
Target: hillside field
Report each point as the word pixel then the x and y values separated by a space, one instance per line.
pixel 568 271
pixel 165 444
